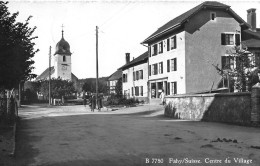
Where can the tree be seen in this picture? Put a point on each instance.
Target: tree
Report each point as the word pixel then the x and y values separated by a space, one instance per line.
pixel 240 71
pixel 119 88
pixel 90 85
pixel 59 88
pixel 16 49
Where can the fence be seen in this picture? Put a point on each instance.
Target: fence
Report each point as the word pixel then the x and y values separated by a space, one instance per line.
pixel 237 108
pixel 8 110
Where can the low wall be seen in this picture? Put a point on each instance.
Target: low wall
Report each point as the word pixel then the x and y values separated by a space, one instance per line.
pixel 224 107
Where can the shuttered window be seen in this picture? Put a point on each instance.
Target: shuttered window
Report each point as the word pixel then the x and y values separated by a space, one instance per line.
pixel 174 64
pixel 230 39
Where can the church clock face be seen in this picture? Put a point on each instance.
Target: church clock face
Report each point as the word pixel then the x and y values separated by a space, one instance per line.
pixel 64 67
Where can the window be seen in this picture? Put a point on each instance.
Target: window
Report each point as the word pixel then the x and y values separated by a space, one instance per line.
pixel 230 39
pixel 141 90
pixel 132 91
pixel 137 91
pixel 155 69
pixel 141 74
pixel 124 77
pixel 173 43
pixel 213 16
pixel 134 76
pixel 257 59
pixel 168 65
pixel 174 64
pixel 227 62
pixel 174 88
pixel 149 51
pixel 227 39
pixel 160 47
pixel 137 75
pixel 154 50
pixel 161 67
pixel 64 58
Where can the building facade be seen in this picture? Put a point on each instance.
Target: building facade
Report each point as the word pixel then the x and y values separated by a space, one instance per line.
pixel 183 52
pixel 135 77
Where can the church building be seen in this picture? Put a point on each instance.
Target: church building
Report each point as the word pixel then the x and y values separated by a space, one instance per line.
pixel 62 63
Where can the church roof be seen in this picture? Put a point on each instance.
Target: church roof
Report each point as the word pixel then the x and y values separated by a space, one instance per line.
pixel 62 47
pixel 45 75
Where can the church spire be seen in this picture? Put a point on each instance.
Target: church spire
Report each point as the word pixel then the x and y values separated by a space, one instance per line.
pixel 62 30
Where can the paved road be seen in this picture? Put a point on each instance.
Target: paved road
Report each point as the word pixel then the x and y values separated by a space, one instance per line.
pixel 74 136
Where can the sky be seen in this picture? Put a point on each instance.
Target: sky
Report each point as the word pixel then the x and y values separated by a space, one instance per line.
pixel 123 25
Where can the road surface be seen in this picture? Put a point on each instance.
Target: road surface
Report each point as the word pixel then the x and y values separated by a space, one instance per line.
pixel 75 136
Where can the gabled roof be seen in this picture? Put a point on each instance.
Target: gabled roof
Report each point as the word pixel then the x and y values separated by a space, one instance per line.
pixel 140 59
pixel 116 75
pixel 45 74
pixel 180 20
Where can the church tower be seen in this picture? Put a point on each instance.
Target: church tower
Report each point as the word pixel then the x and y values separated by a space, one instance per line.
pixel 62 59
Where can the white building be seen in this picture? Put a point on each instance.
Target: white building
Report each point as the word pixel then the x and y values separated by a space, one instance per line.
pixel 135 77
pixel 182 51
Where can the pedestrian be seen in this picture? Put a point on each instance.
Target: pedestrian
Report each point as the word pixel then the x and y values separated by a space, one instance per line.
pixel 100 105
pixel 84 101
pixel 162 95
pixel 93 103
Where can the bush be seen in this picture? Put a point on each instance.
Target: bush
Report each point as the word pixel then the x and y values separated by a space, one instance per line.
pixel 113 100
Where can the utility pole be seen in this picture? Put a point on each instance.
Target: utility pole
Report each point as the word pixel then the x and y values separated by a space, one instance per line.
pixel 97 66
pixel 50 76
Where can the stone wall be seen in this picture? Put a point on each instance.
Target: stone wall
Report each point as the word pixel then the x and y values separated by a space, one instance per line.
pixel 227 107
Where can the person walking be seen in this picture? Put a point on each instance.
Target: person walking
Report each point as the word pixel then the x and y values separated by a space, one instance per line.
pixel 162 95
pixel 93 103
pixel 99 104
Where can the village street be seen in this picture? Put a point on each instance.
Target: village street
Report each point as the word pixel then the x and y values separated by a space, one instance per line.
pixel 74 136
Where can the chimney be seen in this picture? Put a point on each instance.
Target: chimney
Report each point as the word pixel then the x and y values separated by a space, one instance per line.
pixel 251 18
pixel 127 58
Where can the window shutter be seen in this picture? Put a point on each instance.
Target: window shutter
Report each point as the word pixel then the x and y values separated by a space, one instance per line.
pixel 175 42
pixel 161 67
pixel 149 51
pixel 155 69
pixel 134 76
pixel 237 39
pixel 141 74
pixel 175 87
pixel 223 39
pixel 149 70
pixel 168 65
pixel 168 44
pixel 175 64
pixel 223 62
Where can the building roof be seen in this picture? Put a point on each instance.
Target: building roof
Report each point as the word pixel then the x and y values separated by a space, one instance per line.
pixel 140 59
pixel 116 75
pixel 180 20
pixel 252 43
pixel 45 75
pixel 255 34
